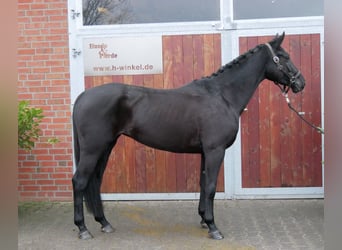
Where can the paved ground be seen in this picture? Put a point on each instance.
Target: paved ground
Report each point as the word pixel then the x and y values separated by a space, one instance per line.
pixel 246 224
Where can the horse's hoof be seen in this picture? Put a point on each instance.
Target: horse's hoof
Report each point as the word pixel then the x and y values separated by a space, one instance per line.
pixel 107 229
pixel 85 235
pixel 203 224
pixel 216 235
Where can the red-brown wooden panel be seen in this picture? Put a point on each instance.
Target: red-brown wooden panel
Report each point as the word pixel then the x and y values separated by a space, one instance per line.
pixel 278 149
pixel 135 168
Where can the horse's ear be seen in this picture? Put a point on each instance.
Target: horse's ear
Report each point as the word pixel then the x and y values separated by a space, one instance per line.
pixel 276 42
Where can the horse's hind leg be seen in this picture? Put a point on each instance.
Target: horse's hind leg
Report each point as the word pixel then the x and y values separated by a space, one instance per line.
pixel 99 216
pixel 86 184
pixel 79 182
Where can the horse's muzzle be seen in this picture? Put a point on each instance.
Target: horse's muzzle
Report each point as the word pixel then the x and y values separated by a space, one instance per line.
pixel 298 85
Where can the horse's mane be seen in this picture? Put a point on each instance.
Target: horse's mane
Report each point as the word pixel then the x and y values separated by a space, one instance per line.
pixel 235 61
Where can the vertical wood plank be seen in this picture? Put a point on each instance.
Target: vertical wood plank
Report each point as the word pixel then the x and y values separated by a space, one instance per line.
pixel 178 61
pixel 275 115
pixel 296 124
pixel 97 80
pixel 198 56
pixel 88 82
pixel 188 58
pixel 168 62
pixel 264 127
pixel 140 163
pixel 220 179
pixel 208 45
pixel 286 145
pixel 307 107
pixel 150 170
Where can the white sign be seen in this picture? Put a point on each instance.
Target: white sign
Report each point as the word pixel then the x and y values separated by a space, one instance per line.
pixel 122 56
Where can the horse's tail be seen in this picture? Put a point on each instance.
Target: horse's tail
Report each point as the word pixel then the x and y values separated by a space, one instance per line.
pixel 76 143
pixel 92 195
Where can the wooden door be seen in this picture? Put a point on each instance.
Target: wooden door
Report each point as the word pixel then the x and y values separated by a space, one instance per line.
pixel 135 168
pixel 278 149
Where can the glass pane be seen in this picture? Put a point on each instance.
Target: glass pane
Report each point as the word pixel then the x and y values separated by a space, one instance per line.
pixel 99 12
pixel 254 9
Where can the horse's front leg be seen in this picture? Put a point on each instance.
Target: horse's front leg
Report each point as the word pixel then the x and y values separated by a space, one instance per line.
pixel 212 162
pixel 201 205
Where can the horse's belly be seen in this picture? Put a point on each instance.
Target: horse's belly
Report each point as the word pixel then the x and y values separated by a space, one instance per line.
pixel 173 139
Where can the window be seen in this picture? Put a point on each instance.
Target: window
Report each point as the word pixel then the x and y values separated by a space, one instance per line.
pixel 104 12
pixel 255 9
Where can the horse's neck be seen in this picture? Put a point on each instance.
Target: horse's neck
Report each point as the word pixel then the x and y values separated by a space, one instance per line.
pixel 241 81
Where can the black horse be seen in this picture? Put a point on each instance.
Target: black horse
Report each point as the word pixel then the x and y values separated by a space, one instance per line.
pixel 201 117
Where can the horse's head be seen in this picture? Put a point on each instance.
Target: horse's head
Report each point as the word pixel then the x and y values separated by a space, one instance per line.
pixel 280 69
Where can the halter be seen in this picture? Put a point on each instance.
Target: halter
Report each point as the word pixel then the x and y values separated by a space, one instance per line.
pixel 292 77
pixel 285 89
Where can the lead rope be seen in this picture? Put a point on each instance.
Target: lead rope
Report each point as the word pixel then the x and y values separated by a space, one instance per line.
pixel 319 130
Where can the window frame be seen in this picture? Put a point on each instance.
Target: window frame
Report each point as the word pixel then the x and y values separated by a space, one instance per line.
pixel 164 27
pixel 226 22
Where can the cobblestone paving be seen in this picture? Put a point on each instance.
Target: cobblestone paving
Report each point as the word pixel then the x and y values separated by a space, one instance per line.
pixel 246 224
